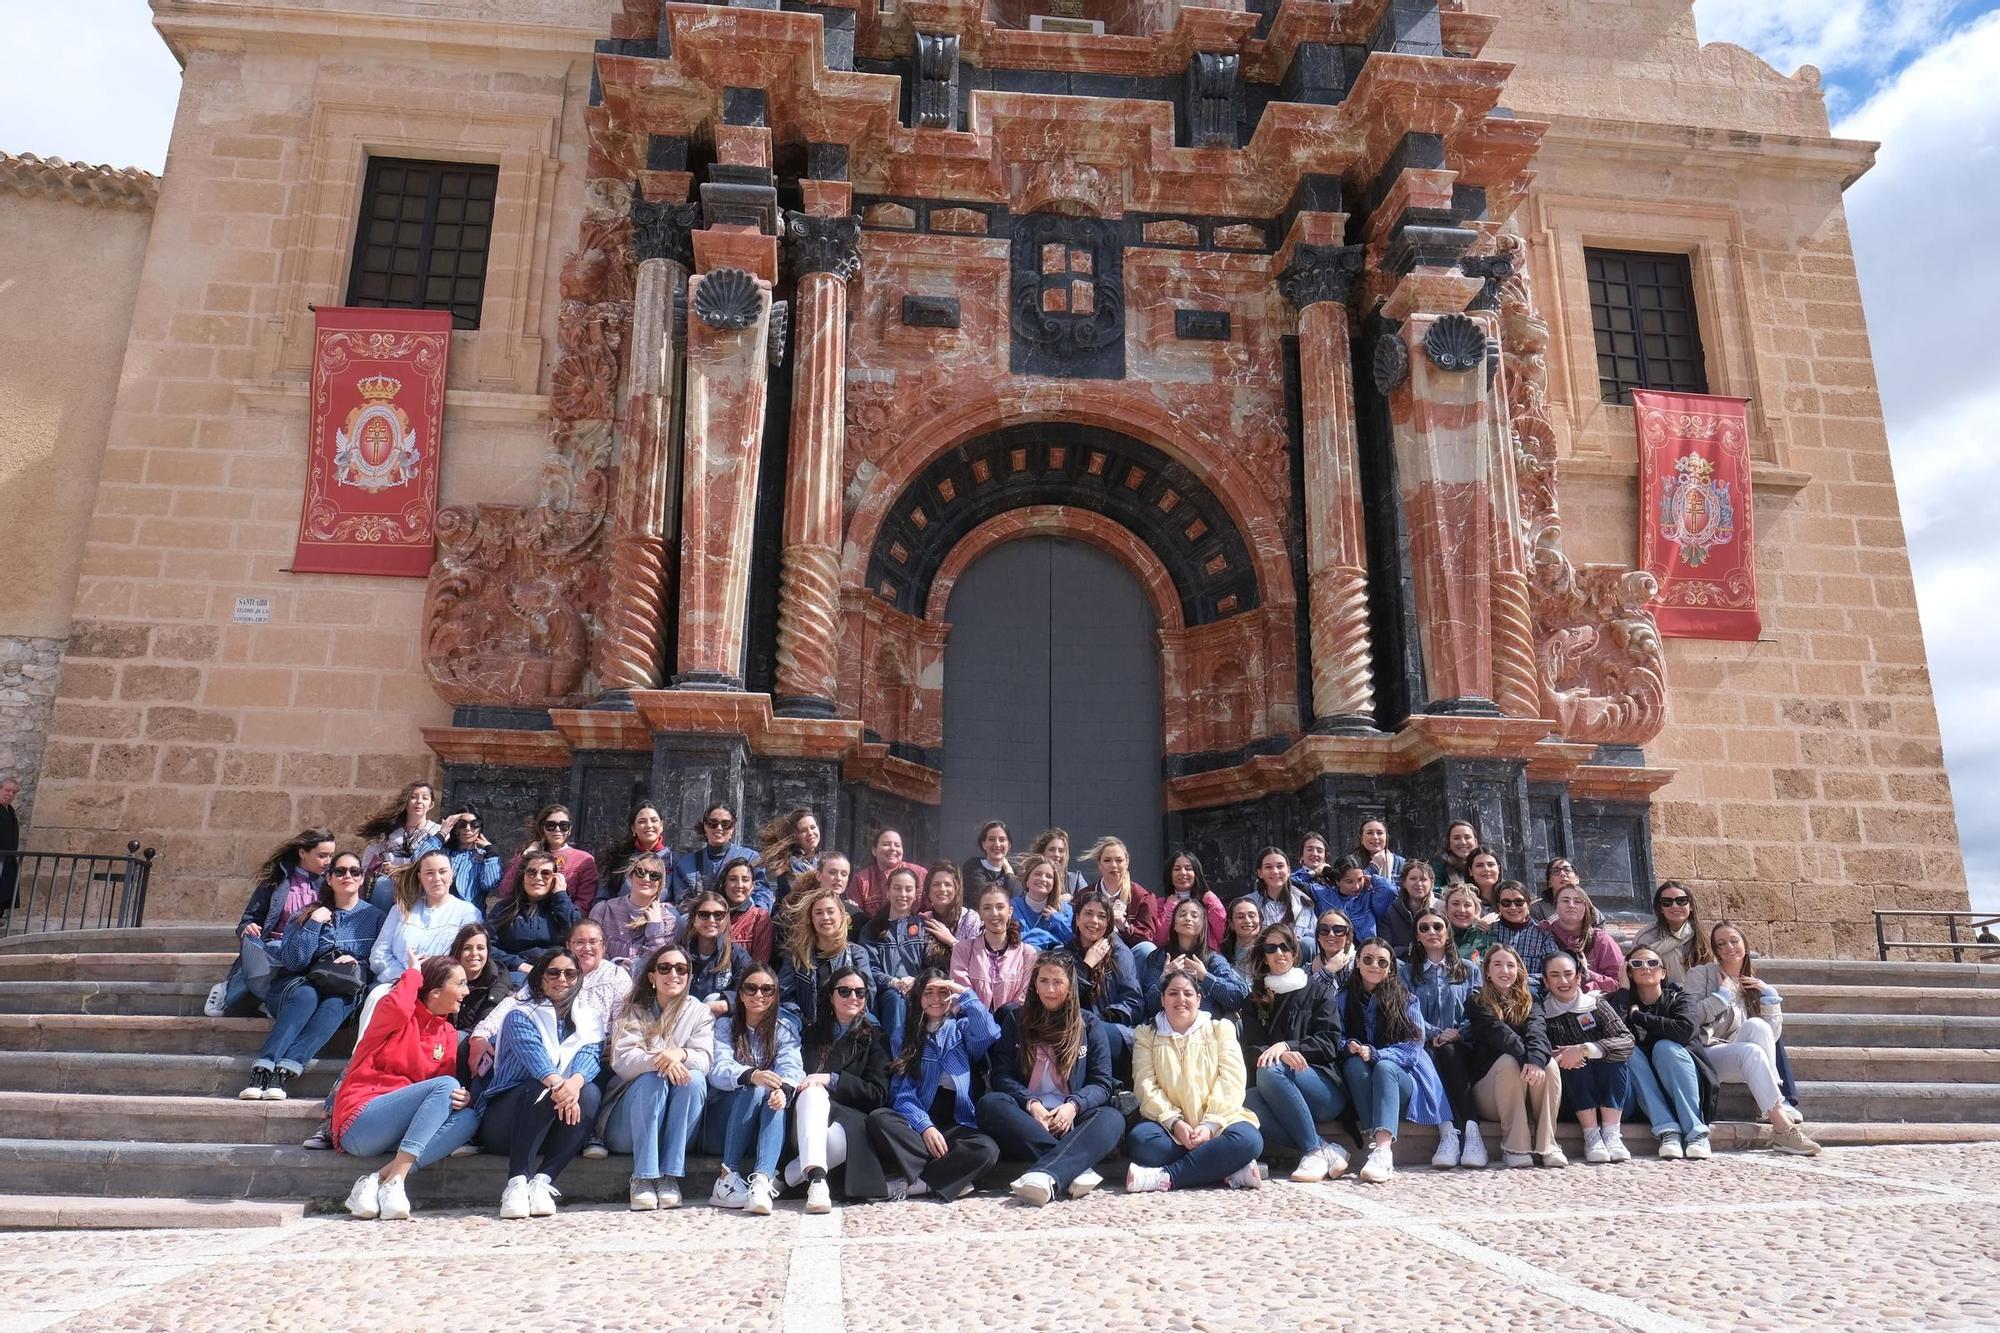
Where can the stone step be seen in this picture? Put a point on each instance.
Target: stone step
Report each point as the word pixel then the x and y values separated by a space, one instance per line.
pixel 147 1075
pixel 207 968
pixel 1894 1065
pixel 156 998
pixel 147 1033
pixel 1923 1031
pixel 1858 1102
pixel 210 938
pixel 73 1212
pixel 58 1115
pixel 1870 972
pixel 1845 999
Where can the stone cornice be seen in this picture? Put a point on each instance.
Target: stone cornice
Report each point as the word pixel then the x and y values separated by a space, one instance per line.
pixel 73 182
pixel 228 25
pixel 1843 160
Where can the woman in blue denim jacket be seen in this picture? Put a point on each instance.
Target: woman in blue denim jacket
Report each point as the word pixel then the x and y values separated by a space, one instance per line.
pixel 928 1136
pixel 342 929
pixel 1387 1067
pixel 1441 981
pixel 757 1068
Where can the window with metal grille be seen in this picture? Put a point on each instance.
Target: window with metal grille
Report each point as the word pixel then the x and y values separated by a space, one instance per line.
pixel 421 243
pixel 1642 309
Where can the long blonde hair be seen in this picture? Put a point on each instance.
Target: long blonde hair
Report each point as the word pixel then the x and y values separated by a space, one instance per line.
pixel 642 1008
pixel 1511 1005
pixel 1097 849
pixel 410 885
pixel 801 941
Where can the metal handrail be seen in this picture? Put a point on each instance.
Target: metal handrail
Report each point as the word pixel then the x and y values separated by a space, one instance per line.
pixel 74 890
pixel 1954 921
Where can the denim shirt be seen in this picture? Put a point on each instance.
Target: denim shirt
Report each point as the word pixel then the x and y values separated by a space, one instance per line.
pixel 352 931
pixel 1441 999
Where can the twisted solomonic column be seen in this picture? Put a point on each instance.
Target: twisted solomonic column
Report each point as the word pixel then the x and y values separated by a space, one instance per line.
pixel 1318 282
pixel 825 252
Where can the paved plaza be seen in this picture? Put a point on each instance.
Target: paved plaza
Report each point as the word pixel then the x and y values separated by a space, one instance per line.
pixel 1857 1239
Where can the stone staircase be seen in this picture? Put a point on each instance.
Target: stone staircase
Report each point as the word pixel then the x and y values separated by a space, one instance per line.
pixel 112 1084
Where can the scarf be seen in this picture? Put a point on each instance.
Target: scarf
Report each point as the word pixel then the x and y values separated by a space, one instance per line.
pixel 1285 983
pixel 548 1026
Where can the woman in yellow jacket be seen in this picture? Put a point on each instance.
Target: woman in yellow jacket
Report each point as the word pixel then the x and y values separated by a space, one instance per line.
pixel 1188 1070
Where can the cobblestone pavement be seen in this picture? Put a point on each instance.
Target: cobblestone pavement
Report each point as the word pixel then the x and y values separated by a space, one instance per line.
pixel 1860 1238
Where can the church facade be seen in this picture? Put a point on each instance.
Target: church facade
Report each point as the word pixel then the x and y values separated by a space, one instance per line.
pixel 1203 424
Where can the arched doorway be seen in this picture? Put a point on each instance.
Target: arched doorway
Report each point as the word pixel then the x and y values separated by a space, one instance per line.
pixel 1052 701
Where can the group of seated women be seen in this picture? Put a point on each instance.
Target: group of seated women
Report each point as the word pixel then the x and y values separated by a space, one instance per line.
pixel 898 1031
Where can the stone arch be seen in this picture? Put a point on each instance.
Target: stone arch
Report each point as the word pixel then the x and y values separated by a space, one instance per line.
pixel 1059 521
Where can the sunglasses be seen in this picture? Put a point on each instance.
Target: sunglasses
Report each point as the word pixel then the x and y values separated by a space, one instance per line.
pixel 1513 902
pixel 1334 930
pixel 1277 946
pixel 556 825
pixel 851 992
pixel 540 872
pixel 1431 928
pixel 1644 964
pixel 711 915
pixel 560 974
pixel 719 823
pixel 345 872
pixel 1374 960
pixel 671 969
pixel 1681 900
pixel 652 875
pixel 759 989
pixel 468 823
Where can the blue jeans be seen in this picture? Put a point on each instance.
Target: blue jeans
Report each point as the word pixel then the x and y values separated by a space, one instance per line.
pixel 890 1006
pixel 304 1023
pixel 1092 1138
pixel 736 1118
pixel 1140 952
pixel 383 894
pixel 655 1122
pixel 1231 1150
pixel 1380 1092
pixel 250 976
pixel 1669 1089
pixel 1293 1103
pixel 1598 1084
pixel 416 1119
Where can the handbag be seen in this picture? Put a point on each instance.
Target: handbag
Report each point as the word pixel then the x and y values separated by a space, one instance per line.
pixel 335 980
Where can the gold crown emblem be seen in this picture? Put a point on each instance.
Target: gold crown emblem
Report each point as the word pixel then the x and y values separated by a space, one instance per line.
pixel 1693 468
pixel 379 388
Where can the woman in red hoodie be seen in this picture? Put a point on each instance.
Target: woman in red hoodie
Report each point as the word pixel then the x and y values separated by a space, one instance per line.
pixel 401 1090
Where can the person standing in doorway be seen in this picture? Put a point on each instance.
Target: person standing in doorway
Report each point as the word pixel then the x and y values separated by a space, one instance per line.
pixel 10 841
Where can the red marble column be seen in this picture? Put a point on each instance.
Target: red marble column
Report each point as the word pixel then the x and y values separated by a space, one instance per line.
pixel 729 316
pixel 826 253
pixel 1318 281
pixel 1440 411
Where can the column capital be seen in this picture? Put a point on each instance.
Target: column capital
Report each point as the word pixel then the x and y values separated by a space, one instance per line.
pixel 823 245
pixel 1321 273
pixel 664 231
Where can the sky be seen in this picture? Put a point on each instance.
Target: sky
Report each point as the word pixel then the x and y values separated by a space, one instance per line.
pixel 1922 77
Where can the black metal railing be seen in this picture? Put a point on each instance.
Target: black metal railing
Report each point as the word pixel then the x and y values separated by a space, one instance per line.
pixel 1963 931
pixel 74 891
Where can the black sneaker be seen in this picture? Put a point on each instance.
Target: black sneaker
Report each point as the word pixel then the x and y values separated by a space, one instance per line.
pixel 279 1078
pixel 260 1086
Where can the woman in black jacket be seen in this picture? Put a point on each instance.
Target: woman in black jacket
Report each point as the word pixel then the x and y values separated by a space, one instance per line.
pixel 1673 1084
pixel 1291 1035
pixel 1510 1061
pixel 1107 977
pixel 847 1076
pixel 472 949
pixel 1052 1087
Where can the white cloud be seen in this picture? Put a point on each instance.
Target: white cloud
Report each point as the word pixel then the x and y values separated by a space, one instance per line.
pixel 1839 36
pixel 87 80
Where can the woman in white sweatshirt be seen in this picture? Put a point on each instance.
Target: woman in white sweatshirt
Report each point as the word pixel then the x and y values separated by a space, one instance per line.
pixel 661 1048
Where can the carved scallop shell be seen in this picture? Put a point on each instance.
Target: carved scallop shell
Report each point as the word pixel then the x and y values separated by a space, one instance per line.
pixel 1455 343
pixel 1392 363
pixel 727 299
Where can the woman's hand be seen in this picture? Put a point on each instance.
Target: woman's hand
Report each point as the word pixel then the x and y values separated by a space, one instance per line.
pixel 1293 1060
pixel 1444 1037
pixel 1366 1054
pixel 1571 1057
pixel 765 1078
pixel 934 1142
pixel 321 915
pixel 1062 1119
pixel 461 1097
pixel 255 931
pixel 903 984
pixel 1194 966
pixel 1199 1135
pixel 1269 1055
pixel 1183 1134
pixel 776 1101
pixel 940 932
pixel 479 1055
pixel 815 1081
pixel 1382 862
pixel 345 958
pixel 1534 1076
pixel 1095 953
pixel 416 960
pixel 562 883
pixel 718 1007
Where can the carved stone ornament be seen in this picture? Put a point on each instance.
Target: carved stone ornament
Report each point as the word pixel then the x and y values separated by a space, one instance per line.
pixel 1322 273
pixel 934 96
pixel 1455 343
pixel 823 245
pixel 727 299
pixel 1211 99
pixel 664 231
pixel 1391 363
pixel 776 333
pixel 1491 270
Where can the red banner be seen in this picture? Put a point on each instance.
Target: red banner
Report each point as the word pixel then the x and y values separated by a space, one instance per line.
pixel 377 421
pixel 1694 514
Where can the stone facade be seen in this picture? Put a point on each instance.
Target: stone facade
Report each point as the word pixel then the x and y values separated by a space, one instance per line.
pixel 791 313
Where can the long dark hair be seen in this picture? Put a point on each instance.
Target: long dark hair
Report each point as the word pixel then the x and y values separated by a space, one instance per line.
pixel 1698 938
pixel 778 840
pixel 615 860
pixel 326 898
pixel 1092 898
pixel 390 817
pixel 1013 922
pixel 1200 889
pixel 1454 966
pixel 284 858
pixel 537 839
pixel 1336 869
pixel 461 828
pixel 539 971
pixel 878 925
pixel 912 1054
pixel 1391 1000
pixel 820 1039
pixel 1260 969
pixel 767 1031
pixel 1058 1031
pixel 465 933
pixel 1173 945
pixel 518 902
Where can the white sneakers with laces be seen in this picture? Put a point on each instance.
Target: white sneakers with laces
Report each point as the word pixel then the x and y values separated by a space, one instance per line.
pixel 394 1200
pixel 760 1196
pixel 642 1196
pixel 1381 1163
pixel 731 1190
pixel 1472 1150
pixel 1084 1184
pixel 1146 1179
pixel 514 1199
pixel 1034 1189
pixel 542 1196
pixel 1312 1168
pixel 1446 1156
pixel 364 1200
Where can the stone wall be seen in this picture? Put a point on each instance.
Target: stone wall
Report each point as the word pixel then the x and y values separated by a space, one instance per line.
pixel 28 669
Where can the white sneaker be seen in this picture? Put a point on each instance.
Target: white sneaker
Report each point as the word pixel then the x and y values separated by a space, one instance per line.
pixel 1311 1168
pixel 394 1199
pixel 1516 1160
pixel 1035 1189
pixel 731 1191
pixel 819 1199
pixel 542 1196
pixel 365 1199
pixel 669 1191
pixel 212 1006
pixel 1670 1147
pixel 1794 1114
pixel 1336 1159
pixel 514 1199
pixel 1146 1179
pixel 1381 1163
pixel 1084 1184
pixel 1555 1157
pixel 1446 1156
pixel 1472 1155
pixel 758 1203
pixel 644 1198
pixel 1594 1150
pixel 1249 1176
pixel 1614 1145
pixel 1698 1149
pixel 466 1150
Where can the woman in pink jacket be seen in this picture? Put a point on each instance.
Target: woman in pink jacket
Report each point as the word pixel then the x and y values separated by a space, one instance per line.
pixel 994 964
